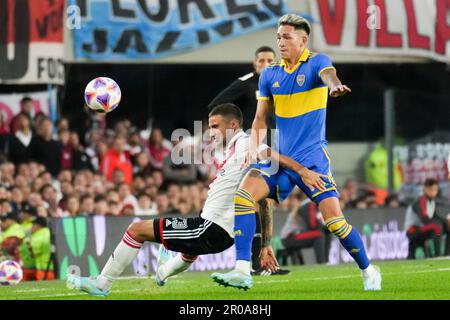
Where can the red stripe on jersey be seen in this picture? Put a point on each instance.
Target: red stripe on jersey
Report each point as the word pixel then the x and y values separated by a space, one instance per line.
pixel 233 149
pixel 161 221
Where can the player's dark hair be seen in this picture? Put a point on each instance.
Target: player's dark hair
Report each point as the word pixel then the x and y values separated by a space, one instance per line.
pixel 264 49
pixel 227 110
pixel 299 23
pixel 431 182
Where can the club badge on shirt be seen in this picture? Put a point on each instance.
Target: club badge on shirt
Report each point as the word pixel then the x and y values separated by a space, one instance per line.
pixel 301 79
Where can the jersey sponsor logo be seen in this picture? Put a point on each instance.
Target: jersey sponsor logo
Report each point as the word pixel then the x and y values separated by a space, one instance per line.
pixel 276 85
pixel 177 223
pixel 301 79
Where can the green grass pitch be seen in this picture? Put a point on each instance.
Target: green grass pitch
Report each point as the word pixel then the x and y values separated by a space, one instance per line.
pixel 419 279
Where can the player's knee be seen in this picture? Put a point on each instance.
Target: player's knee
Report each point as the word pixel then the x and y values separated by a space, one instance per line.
pixel 141 230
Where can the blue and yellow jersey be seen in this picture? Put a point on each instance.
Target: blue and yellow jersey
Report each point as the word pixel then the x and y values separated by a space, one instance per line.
pixel 300 100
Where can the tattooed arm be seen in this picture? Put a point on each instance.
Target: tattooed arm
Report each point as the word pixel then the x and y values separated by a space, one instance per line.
pixel 266 214
pixel 268 259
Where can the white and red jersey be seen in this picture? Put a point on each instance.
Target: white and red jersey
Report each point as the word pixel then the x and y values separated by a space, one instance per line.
pixel 219 206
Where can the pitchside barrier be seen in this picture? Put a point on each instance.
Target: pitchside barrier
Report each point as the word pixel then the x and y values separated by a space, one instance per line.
pixel 84 244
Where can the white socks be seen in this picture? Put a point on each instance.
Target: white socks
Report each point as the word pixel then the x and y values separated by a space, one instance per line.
pixel 175 265
pixel 124 254
pixel 243 266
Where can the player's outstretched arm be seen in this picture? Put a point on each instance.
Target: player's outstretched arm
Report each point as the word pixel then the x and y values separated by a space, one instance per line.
pixel 310 178
pixel 337 89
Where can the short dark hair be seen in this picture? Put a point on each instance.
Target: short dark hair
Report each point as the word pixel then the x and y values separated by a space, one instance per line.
pixel 86 196
pixel 298 22
pixel 99 198
pixel 430 182
pixel 227 110
pixel 264 49
pixel 26 99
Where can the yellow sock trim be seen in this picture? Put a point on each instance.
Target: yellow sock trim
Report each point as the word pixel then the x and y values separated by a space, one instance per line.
pixel 339 226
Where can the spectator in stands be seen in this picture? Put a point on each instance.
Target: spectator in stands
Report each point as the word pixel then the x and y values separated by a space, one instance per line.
pixel 146 207
pixel 304 228
pixel 117 158
pixel 138 184
pixel 22 144
pixel 50 197
pixel 87 205
pixel 7 171
pixel 162 203
pixel 426 219
pixel 126 197
pixel 158 178
pixel 392 201
pixel 26 107
pixel 5 207
pixel 158 149
pixel 4 134
pixel 142 165
pixel 135 144
pixel 127 210
pixel 16 198
pixel 48 150
pixel 81 160
pixel 73 206
pixel 66 149
pixel 118 177
pixel 353 193
pixel 101 206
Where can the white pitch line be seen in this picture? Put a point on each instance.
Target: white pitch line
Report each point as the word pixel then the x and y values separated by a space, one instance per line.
pixel 387 274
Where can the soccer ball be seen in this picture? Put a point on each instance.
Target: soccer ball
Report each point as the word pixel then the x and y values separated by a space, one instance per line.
pixel 10 273
pixel 102 95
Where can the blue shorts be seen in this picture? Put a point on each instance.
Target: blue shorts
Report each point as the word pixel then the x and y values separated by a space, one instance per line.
pixel 282 182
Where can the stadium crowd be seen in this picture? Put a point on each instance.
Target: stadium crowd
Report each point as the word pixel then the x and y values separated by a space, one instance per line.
pixel 109 171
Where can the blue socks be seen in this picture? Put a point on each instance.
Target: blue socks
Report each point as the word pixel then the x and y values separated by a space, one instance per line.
pixel 244 224
pixel 350 240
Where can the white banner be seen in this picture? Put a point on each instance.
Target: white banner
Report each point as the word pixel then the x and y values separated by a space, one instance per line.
pixel 10 103
pixel 417 28
pixel 31 42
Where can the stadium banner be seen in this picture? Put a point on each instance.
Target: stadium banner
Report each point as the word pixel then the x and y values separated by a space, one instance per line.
pixel 424 158
pixel 31 42
pixel 10 103
pixel 129 29
pixel 382 232
pixel 417 28
pixel 84 245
